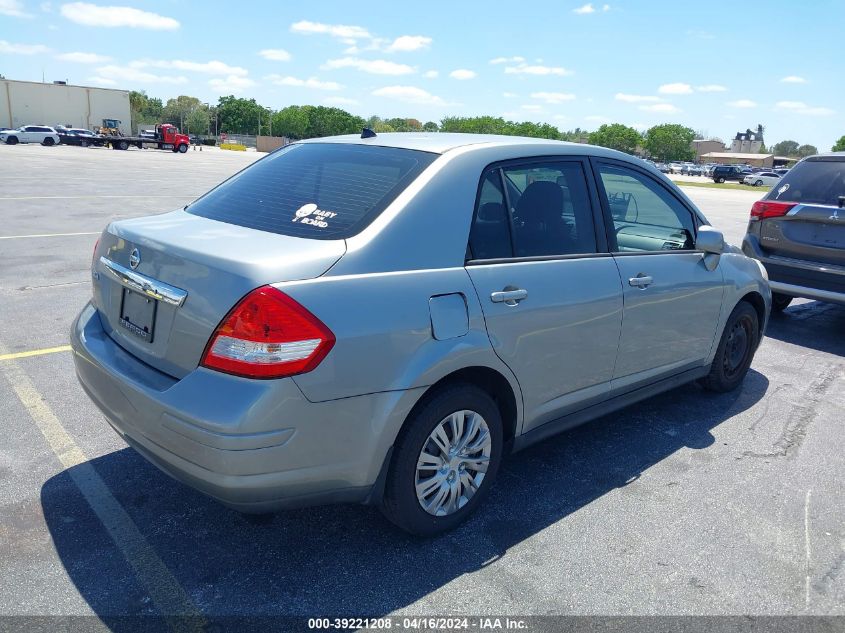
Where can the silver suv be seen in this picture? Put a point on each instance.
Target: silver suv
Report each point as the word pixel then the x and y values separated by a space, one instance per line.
pixel 381 319
pixel 798 231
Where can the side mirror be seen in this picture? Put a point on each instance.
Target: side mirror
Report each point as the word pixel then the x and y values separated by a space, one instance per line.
pixel 710 240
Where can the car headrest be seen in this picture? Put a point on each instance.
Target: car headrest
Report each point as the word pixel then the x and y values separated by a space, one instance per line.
pixel 492 212
pixel 542 201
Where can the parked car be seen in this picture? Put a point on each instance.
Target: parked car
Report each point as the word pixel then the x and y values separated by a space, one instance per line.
pixel 675 168
pixel 664 168
pixel 335 343
pixel 694 170
pixel 798 232
pixel 768 178
pixel 721 173
pixel 30 134
pixel 781 171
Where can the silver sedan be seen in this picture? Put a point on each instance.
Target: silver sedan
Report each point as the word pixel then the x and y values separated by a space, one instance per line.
pixel 384 318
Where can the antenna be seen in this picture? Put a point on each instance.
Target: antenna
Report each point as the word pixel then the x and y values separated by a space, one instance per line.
pixel 367 133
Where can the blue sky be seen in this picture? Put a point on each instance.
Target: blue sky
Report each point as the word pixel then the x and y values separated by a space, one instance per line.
pixel 570 64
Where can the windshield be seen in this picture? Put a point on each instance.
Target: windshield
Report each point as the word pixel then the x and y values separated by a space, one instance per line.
pixel 812 181
pixel 314 190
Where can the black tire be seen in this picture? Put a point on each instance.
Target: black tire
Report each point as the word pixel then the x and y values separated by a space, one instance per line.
pixel 720 180
pixel 183 148
pixel 757 183
pixel 48 141
pixel 122 145
pixel 736 350
pixel 780 302
pixel 12 140
pixel 84 143
pixel 400 504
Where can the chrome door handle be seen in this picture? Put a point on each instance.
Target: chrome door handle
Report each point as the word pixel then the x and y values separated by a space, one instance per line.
pixel 509 297
pixel 640 281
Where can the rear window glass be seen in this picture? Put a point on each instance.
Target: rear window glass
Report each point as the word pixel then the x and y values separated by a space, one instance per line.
pixel 314 190
pixel 813 182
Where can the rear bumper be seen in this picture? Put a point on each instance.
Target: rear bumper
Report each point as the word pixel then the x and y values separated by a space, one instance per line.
pixel 253 445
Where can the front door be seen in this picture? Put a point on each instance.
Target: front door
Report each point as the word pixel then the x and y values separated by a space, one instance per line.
pixel 551 295
pixel 672 302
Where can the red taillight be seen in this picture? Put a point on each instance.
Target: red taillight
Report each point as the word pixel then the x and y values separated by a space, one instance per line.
pixel 268 335
pixel 770 209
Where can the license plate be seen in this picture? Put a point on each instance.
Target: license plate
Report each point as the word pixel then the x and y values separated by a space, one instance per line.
pixel 137 314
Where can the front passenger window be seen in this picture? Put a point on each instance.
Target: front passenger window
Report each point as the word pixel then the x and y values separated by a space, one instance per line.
pixel 646 217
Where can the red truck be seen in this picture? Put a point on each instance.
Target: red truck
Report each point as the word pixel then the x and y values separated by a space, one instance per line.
pixel 166 136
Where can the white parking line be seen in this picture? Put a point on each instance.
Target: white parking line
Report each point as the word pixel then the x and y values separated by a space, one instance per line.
pixel 175 195
pixel 153 575
pixel 18 237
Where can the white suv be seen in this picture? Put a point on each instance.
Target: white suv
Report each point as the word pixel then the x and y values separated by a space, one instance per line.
pixel 30 134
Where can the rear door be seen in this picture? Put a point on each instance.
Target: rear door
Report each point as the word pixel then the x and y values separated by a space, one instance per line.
pixel 549 290
pixel 813 227
pixel 672 302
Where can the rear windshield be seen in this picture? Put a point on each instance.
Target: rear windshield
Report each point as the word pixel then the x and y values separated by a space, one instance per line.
pixel 812 182
pixel 314 190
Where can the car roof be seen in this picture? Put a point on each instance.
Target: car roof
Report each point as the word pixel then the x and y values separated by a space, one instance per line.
pixel 442 142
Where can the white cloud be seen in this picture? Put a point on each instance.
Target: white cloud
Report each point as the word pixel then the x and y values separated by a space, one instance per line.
pixel 663 108
pixel 800 107
pixel 509 95
pixel 641 127
pixel 102 81
pixel 131 74
pixel 463 74
pixel 527 69
pixel 340 101
pixel 231 85
pixel 507 60
pixel 275 54
pixel 13 8
pixel 213 67
pixel 95 15
pixel 793 79
pixel 84 58
pixel 22 49
pixel 409 94
pixel 595 118
pixel 311 82
pixel 711 88
pixel 584 10
pixel 342 31
pixel 532 107
pixel 605 8
pixel 431 74
pixel 553 97
pixel 406 43
pixel 372 66
pixel 742 103
pixel 621 96
pixel 675 89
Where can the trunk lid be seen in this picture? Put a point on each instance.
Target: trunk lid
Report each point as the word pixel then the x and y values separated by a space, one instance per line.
pixel 214 263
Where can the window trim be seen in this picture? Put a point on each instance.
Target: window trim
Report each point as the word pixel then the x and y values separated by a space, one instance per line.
pixel 596 214
pixel 596 162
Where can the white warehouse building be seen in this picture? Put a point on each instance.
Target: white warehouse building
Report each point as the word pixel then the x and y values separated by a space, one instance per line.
pixel 33 103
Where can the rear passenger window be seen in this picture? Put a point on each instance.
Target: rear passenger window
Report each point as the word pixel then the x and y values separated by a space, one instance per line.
pixel 314 190
pixel 646 217
pixel 812 182
pixel 533 210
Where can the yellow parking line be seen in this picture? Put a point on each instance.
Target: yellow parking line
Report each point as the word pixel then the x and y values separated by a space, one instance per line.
pixel 152 573
pixel 35 352
pixel 15 237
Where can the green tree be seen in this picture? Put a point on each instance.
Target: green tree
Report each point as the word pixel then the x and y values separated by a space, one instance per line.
pixel 839 146
pixel 297 122
pixel 143 110
pixel 177 110
pixel 670 141
pixel 242 116
pixel 785 148
pixel 198 121
pixel 431 126
pixel 497 125
pixel 617 136
pixel 807 150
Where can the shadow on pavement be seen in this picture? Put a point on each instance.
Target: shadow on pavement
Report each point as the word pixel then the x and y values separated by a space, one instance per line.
pixel 347 560
pixel 811 324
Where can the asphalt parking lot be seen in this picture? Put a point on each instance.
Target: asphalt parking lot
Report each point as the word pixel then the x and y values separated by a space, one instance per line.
pixel 689 503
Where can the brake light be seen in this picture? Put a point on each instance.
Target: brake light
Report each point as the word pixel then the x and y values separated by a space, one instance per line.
pixel 770 209
pixel 268 335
